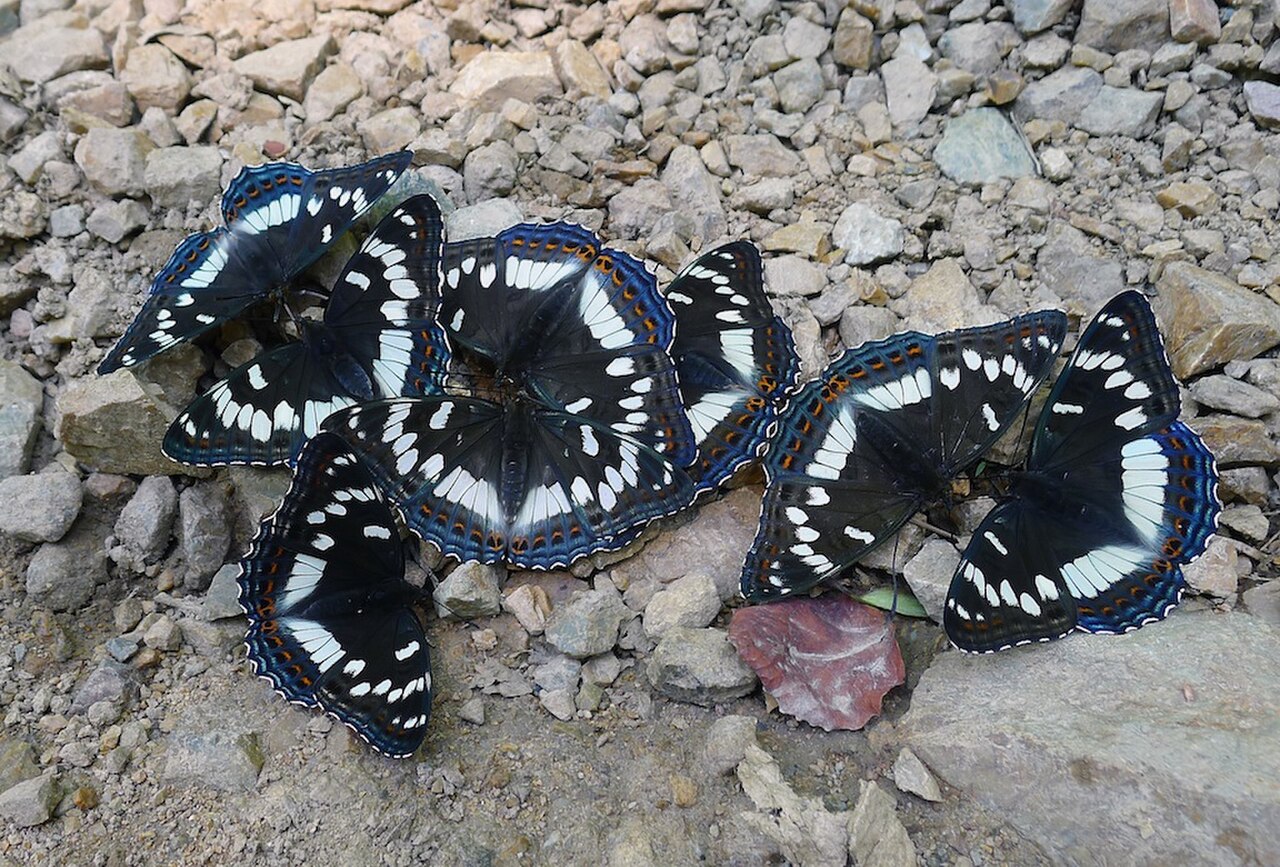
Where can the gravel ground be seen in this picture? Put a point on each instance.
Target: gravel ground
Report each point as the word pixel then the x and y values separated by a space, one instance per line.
pixel 925 165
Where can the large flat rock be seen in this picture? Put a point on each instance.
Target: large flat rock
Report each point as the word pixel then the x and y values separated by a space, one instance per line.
pixel 1160 746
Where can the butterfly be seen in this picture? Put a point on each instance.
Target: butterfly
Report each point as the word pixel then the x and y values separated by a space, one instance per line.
pixel 734 357
pixel 331 618
pixel 548 313
pixel 518 483
pixel 280 217
pixel 1117 495
pixel 882 431
pixel 379 338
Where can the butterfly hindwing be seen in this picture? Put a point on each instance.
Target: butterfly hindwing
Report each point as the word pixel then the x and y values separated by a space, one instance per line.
pixel 280 217
pixel 330 616
pixel 735 359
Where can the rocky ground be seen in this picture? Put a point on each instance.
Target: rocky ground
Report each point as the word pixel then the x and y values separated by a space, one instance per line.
pixel 911 164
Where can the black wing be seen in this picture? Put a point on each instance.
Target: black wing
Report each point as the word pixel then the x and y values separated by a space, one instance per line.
pixel 534 488
pixel 882 430
pixel 280 218
pixel 330 616
pixel 735 359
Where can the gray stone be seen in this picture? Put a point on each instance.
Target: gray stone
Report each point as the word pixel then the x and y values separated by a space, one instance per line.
pixel 804 39
pixel 1263 602
pixel 726 743
pixel 943 298
pixel 1263 99
pixel 28 163
pixel 765 195
pixel 17 762
pixel 644 45
pixel 761 156
pixel 114 160
pixel 910 87
pixel 472 711
pixel 222 600
pixel 221 760
pixel 866 237
pixel 1121 111
pixel 929 574
pixel 799 85
pixel 699 666
pixel 981 146
pixel 490 171
pixel 67 221
pixel 862 322
pixel 23 214
pixel 1072 270
pixel 145 523
pixel 635 208
pixel 1171 57
pixel 163 634
pixel 120 649
pixel 21 407
pixel 39 53
pixel 482 220
pixel 390 130
pixel 691 600
pixel 1195 759
pixel 698 192
pixel 830 305
pixel 336 87
pixel 90 307
pixel 492 77
pixel 111 681
pixel 39 508
pixel 587 623
pixel 1032 16
pixel 31 802
pixel 471 590
pixel 1061 95
pixel 156 78
pixel 974 47
pixel 1249 522
pixel 1115 25
pixel 911 776
pixel 178 176
pixel 803 829
pixel 204 532
pixel 794 275
pixel 286 68
pixel 62 575
pixel 1233 396
pixel 115 220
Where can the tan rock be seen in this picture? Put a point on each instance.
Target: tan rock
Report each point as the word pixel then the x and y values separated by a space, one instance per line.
pixel 1194 21
pixel 1235 440
pixel 155 77
pixel 490 78
pixel 286 68
pixel 1208 320
pixel 332 91
pixel 580 71
pixel 110 423
pixel 1189 198
pixel 854 40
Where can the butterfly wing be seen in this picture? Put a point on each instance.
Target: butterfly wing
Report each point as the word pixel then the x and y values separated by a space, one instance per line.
pixel 329 617
pixel 280 218
pixel 735 359
pixel 382 312
pixel 261 413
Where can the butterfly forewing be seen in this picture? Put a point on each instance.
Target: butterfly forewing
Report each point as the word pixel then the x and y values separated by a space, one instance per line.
pixel 330 622
pixel 735 359
pixel 280 218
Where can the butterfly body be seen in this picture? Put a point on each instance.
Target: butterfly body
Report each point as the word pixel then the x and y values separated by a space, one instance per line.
pixel 1116 496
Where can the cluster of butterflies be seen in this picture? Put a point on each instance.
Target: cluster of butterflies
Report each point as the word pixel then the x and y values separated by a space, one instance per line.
pixel 532 398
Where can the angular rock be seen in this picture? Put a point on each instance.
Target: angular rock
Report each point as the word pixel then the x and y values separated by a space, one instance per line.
pixel 942 298
pixel 114 160
pixel 336 87
pixel 115 220
pixel 762 155
pixel 1208 320
pixel 689 183
pixel 799 85
pixel 862 322
pixel 109 682
pixel 1121 111
pixel 865 236
pixel 471 590
pixel 580 72
pixel 804 830
pixel 17 762
pixel 146 521
pixel 876 834
pixel 1117 25
pixel 222 600
pixel 1189 198
pixel 727 741
pixel 28 163
pixel 1032 16
pixel 973 47
pixel 204 531
pixel 1263 99
pixel 39 508
pixel 1233 396
pixel 1072 270
pixel 23 214
pixel 39 53
pixel 481 220
pixel 530 605
pixel 178 176
pixel 111 424
pixel 587 624
pixel 1085 769
pixel 286 68
pixel 1194 21
pixel 1235 441
pixel 21 408
pixel 490 171
pixel 635 208
pixel 980 146
pixel 155 77
pixel 910 87
pixel 1061 95
pixel 854 40
pixel 62 575
pixel 492 77
pixel 910 775
pixel 698 666
pixel 793 275
pixel 31 802
pixel 929 573
pixel 688 601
